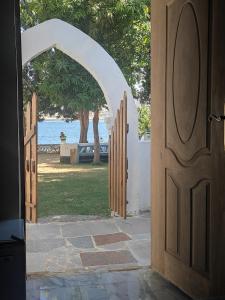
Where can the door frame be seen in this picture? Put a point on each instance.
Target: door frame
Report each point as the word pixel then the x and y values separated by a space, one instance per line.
pixel 12 246
pixel 219 52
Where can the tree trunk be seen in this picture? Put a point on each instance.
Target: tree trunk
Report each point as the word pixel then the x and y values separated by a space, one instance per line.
pixel 84 123
pixel 96 138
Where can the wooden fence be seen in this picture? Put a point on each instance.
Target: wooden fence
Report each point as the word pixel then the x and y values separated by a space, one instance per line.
pixel 118 163
pixel 30 148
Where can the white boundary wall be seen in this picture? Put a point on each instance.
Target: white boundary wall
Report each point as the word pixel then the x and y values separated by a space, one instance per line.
pixel 144 175
pixel 87 52
pixel 65 149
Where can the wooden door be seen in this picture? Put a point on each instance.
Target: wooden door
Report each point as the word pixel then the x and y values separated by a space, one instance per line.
pixel 118 163
pixel 30 147
pixel 188 192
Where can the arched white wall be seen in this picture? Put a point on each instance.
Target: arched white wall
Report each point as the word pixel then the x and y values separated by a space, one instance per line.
pixel 87 52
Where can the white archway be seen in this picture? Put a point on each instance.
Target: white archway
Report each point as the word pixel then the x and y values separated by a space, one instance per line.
pixel 87 52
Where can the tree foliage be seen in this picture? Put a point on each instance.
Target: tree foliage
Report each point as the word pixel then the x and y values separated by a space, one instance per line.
pixel 64 86
pixel 144 121
pixel 122 27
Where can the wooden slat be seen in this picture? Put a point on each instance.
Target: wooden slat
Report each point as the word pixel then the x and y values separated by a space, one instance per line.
pixel 109 175
pixel 31 205
pixel 27 181
pixel 113 169
pixel 110 170
pixel 30 143
pixel 27 162
pixel 125 166
pixel 31 133
pixel 121 161
pixel 28 118
pixel 118 161
pixel 34 160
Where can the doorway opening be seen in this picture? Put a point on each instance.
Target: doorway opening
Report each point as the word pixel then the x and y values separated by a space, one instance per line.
pixel 112 243
pixel 72 177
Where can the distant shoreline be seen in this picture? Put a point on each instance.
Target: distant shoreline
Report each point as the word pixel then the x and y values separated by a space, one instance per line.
pixel 49 131
pixel 61 119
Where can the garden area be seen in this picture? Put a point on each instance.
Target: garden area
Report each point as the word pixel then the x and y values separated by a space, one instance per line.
pixel 70 93
pixel 71 189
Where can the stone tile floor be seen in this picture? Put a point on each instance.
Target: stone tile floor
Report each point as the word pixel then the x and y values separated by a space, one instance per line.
pixel 76 245
pixel 142 284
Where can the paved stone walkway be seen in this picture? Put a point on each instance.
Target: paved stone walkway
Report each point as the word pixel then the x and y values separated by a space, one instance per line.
pixel 124 285
pixel 110 244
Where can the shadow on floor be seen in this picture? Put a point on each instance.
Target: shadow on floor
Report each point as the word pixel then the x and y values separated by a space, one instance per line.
pixel 143 284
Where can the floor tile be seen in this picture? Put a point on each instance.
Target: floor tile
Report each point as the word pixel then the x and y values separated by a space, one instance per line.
pixel 141 251
pixel 43 231
pixel 110 238
pixel 44 246
pixel 134 225
pixel 75 229
pixel 106 258
pixel 36 262
pixel 102 227
pixel 84 242
pixel 114 246
pixel 56 246
pixel 63 260
pixel 142 284
pixel 141 236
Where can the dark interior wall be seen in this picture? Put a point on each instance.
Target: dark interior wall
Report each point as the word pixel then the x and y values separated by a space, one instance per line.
pixel 10 127
pixel 12 244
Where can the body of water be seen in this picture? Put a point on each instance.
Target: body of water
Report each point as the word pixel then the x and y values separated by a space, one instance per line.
pixel 49 131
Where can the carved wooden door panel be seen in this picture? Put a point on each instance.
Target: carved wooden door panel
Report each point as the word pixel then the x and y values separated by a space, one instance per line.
pixel 186 146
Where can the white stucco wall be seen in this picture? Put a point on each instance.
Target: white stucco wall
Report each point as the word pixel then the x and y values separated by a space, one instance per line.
pixel 145 174
pixel 84 50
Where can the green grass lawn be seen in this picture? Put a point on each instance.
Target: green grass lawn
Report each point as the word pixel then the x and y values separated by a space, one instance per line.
pixel 72 190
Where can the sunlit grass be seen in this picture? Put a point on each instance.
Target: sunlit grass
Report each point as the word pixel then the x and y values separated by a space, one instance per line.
pixel 72 190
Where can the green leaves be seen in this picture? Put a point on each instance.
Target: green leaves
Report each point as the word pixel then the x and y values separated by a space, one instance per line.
pixel 144 120
pixel 122 27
